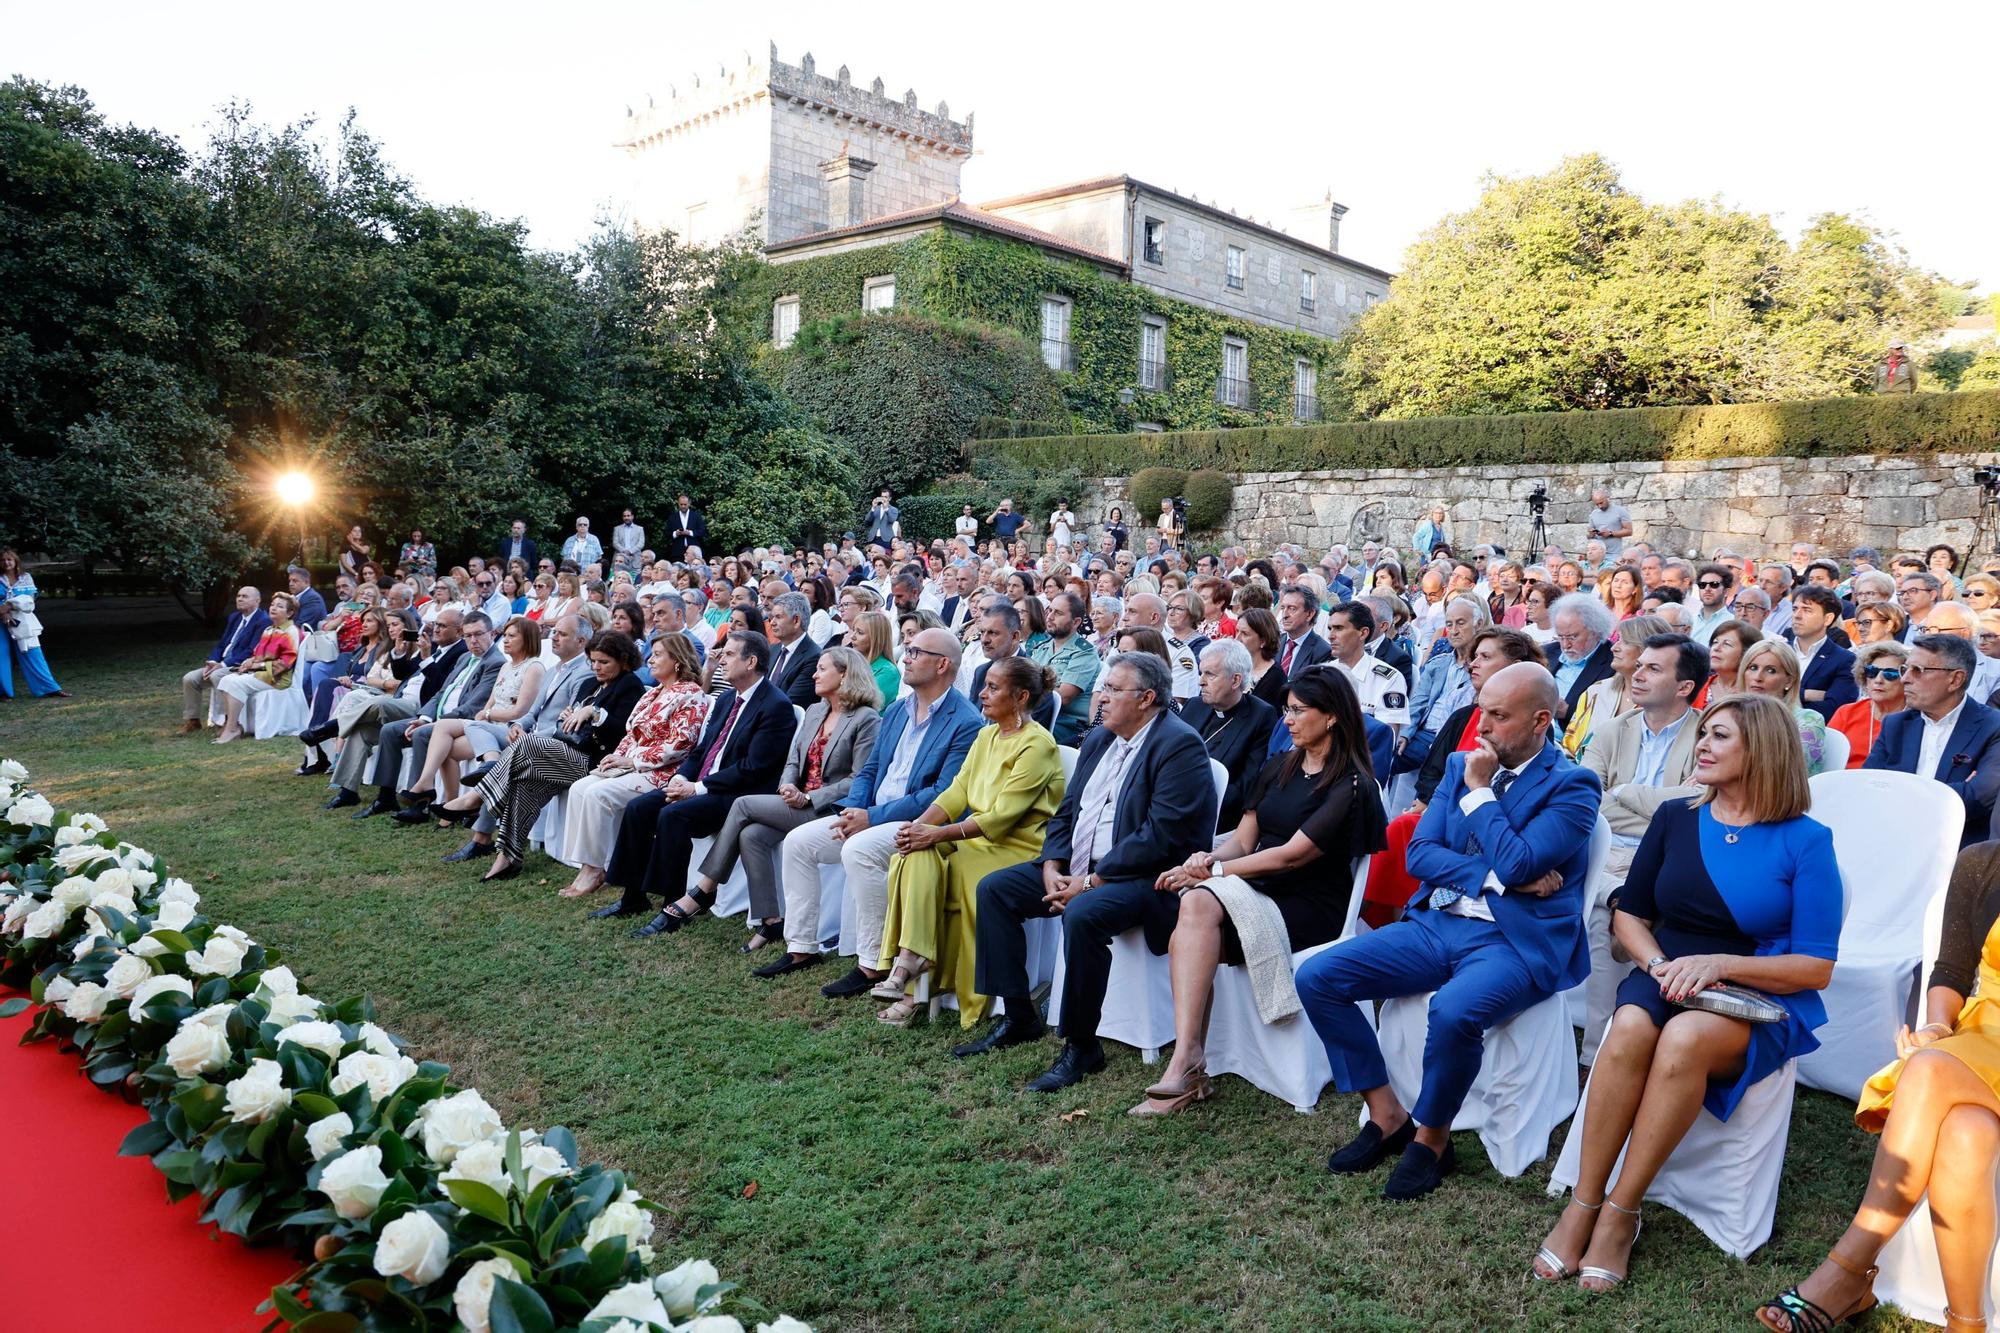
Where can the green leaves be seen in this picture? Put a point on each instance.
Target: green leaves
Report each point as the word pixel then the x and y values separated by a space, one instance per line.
pixel 479 1200
pixel 517 1309
pixel 8 1008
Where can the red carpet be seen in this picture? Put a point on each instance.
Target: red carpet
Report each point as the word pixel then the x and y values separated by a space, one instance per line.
pixel 91 1241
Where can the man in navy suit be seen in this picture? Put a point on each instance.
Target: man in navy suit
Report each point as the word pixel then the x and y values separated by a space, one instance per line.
pixel 1142 800
pixel 922 742
pixel 685 527
pixel 1826 679
pixel 1498 926
pixel 1301 647
pixel 312 606
pixel 1942 734
pixel 794 653
pixel 247 624
pixel 518 545
pixel 742 751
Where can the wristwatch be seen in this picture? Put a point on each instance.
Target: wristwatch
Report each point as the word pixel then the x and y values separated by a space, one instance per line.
pixel 1654 962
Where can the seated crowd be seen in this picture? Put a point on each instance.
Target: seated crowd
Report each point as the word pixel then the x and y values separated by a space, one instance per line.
pixel 983 737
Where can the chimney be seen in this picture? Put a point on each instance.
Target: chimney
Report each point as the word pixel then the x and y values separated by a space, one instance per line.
pixel 1335 212
pixel 846 180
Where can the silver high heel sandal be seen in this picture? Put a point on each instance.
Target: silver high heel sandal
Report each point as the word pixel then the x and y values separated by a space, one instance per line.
pixel 1610 1279
pixel 1547 1256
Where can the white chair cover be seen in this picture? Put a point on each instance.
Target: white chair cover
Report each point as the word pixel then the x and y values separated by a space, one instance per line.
pixel 278 712
pixel 1837 749
pixel 1284 1059
pixel 547 833
pixel 1587 1012
pixel 1891 883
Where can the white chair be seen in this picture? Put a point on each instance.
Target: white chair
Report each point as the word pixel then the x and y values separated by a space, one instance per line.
pixel 278 712
pixel 548 832
pixel 1838 750
pixel 1527 1077
pixel 1910 1278
pixel 1577 999
pixel 1285 1058
pixel 732 896
pixel 1891 883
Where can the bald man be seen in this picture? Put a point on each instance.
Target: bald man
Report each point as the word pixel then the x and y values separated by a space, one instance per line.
pixel 239 637
pixel 1954 619
pixel 1496 927
pixel 1145 610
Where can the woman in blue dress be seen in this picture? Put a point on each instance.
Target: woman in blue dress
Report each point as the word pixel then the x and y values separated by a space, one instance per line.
pixel 1736 886
pixel 24 631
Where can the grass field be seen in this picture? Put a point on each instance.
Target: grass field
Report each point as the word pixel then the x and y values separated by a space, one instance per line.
pixel 896 1188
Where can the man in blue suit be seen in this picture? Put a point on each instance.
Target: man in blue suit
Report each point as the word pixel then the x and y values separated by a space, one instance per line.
pixel 918 751
pixel 1827 676
pixel 1499 926
pixel 1142 800
pixel 1942 734
pixel 247 624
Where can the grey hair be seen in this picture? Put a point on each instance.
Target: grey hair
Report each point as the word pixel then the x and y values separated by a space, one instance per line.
pixel 1482 614
pixel 1956 652
pixel 1752 590
pixel 1230 655
pixel 794 604
pixel 1001 607
pixel 1877 579
pixel 673 599
pixel 1115 605
pixel 1154 674
pixel 1591 613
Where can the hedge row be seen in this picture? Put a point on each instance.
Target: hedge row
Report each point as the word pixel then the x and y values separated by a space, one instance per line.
pixel 1824 427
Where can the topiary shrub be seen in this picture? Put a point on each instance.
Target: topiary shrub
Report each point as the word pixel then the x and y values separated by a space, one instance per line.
pixel 1150 485
pixel 1209 494
pixel 929 517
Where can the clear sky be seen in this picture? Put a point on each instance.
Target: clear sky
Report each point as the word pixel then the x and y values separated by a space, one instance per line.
pixel 1788 109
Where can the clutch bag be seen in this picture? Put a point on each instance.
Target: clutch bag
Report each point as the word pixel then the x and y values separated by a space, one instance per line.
pixel 1751 1006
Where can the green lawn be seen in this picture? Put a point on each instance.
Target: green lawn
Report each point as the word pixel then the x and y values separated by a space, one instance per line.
pixel 896 1188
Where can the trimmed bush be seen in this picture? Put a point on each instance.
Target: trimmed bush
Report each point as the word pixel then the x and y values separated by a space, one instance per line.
pixel 1921 423
pixel 1209 494
pixel 928 517
pixel 1150 485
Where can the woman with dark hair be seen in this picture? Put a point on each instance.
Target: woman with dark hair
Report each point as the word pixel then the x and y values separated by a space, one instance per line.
pixel 745 617
pixel 1315 802
pixel 370 658
pixel 1726 646
pixel 992 816
pixel 355 552
pixel 1115 525
pixel 1269 572
pixel 533 769
pixel 1257 630
pixel 24 631
pixel 629 619
pixel 825 599
pixel 418 555
pixel 1942 561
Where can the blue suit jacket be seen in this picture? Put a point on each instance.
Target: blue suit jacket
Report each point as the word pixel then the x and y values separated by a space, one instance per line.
pixel 312 609
pixel 1832 670
pixel 1165 814
pixel 1970 765
pixel 245 642
pixel 954 722
pixel 752 761
pixel 1542 823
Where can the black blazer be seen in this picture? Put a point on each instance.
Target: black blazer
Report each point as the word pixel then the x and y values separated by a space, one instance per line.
pixel 438 672
pixel 797 681
pixel 1239 744
pixel 1165 813
pixel 1312 650
pixel 1595 668
pixel 616 699
pixel 677 546
pixel 758 745
pixel 1392 651
pixel 1272 689
pixel 530 553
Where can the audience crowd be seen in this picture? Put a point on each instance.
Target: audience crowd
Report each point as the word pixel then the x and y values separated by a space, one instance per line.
pixel 1122 734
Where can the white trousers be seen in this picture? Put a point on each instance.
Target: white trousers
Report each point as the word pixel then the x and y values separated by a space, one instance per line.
pixel 590 817
pixel 865 857
pixel 240 685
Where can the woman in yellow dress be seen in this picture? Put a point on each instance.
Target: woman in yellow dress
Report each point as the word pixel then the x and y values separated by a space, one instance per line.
pixel 1937 1109
pixel 991 817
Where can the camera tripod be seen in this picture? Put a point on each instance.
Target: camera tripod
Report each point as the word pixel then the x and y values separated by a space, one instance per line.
pixel 1538 535
pixel 1988 527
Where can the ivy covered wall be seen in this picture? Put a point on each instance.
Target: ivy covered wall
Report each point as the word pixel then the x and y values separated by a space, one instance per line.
pixel 949 274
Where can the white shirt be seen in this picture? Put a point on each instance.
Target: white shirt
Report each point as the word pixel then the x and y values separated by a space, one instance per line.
pixel 1380 686
pixel 1476 908
pixel 722 741
pixel 1103 839
pixel 968 527
pixel 1062 526
pixel 895 783
pixel 1937 739
pixel 1806 655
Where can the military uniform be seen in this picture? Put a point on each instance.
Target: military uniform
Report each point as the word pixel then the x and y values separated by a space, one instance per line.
pixel 1384 694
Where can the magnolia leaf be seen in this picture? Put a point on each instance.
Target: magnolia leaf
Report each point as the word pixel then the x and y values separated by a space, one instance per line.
pixel 516 1308
pixel 146 1140
pixel 479 1199
pixel 173 939
pixel 563 1142
pixel 8 1008
pixel 314 1106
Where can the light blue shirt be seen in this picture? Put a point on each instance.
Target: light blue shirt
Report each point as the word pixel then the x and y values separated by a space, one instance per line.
pixel 895 783
pixel 1567 671
pixel 1650 769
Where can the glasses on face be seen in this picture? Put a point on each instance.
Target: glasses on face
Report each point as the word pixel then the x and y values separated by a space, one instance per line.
pixel 911 650
pixel 1299 710
pixel 1913 671
pixel 1890 674
pixel 1123 689
pixel 1708 584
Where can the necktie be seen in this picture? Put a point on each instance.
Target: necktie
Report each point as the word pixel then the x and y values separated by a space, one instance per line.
pixel 1285 662
pixel 778 663
pixel 1446 897
pixel 1081 847
pixel 457 686
pixel 722 739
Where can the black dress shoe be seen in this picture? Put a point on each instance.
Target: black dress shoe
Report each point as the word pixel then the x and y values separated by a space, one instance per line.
pixel 1008 1031
pixel 1368 1149
pixel 856 982
pixel 317 765
pixel 788 962
pixel 320 734
pixel 378 806
pixel 1070 1068
pixel 614 910
pixel 663 923
pixel 472 851
pixel 1419 1172
pixel 412 815
pixel 342 799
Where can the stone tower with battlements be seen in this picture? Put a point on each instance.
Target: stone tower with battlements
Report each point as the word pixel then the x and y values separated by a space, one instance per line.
pixel 787 150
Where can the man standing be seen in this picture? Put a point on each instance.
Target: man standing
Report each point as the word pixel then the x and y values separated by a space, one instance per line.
pixel 1501 854
pixel 1234 725
pixel 246 624
pixel 922 742
pixel 1609 523
pixel 689 529
pixel 1379 686
pixel 794 654
pixel 582 549
pixel 1713 584
pixel 1006 523
pixel 1897 373
pixel 1075 663
pixel 1062 525
pixel 1826 670
pixel 1940 733
pixel 518 545
pixel 885 522
pixel 627 540
pixel 966 526
pixel 1140 803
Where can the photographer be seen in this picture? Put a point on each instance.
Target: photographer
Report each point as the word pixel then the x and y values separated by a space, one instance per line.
pixel 1609 523
pixel 1172 523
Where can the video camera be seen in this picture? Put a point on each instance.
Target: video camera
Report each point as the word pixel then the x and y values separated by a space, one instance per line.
pixel 1538 499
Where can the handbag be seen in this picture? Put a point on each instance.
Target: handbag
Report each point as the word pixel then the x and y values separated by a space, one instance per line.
pixel 1732 1001
pixel 320 646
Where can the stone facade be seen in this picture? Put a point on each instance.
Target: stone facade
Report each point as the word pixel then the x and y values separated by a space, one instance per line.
pixel 1756 506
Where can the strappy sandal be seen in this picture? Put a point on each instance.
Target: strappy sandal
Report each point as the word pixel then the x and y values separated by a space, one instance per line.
pixel 900 976
pixel 766 934
pixel 1612 1281
pixel 1562 1271
pixel 1803 1316
pixel 1163 1100
pixel 901 1013
pixel 676 918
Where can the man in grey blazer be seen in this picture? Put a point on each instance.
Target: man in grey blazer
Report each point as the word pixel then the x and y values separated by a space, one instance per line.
pixel 464 693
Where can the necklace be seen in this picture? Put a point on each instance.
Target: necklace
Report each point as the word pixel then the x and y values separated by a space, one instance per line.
pixel 1728 833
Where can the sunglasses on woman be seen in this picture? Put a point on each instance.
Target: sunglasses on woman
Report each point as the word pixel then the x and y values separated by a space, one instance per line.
pixel 1891 674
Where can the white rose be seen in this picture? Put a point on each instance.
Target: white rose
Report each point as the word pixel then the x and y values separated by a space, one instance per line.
pixel 69 836
pixel 678 1287
pixel 377 1040
pixel 289 1009
pixel 383 1074
pixel 324 1135
pixel 624 1218
pixel 626 1326
pixel 413 1247
pixel 354 1182
pixel 31 811
pixel 17 912
pixel 75 858
pixel 278 981
pixel 146 946
pixel 634 1300
pixel 784 1323
pixel 215 1016
pixel 180 891
pixel 87 944
pixel 74 892
pixel 484 1162
pixel 131 855
pixel 455 1122
pixel 160 986
pixel 13 770
pixel 198 1048
pixel 322 1037
pixel 712 1323
pixel 540 1162
pixel 232 933
pixel 86 1003
pixel 116 901
pixel 173 916
pixel 45 920
pixel 142 878
pixel 58 990
pixel 125 976
pixel 473 1296
pixel 258 1095
pixel 222 958
pixel 112 879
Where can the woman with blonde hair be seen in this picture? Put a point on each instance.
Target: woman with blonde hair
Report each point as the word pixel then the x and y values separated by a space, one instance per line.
pixel 872 638
pixel 1981 592
pixel 1770 667
pixel 1736 890
pixel 1879 622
